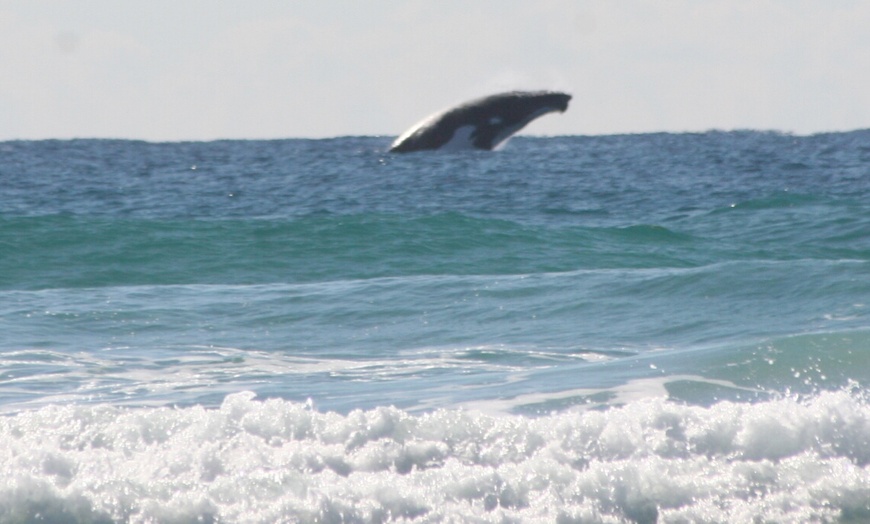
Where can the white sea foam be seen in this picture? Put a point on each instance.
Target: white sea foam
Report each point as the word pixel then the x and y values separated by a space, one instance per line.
pixel 122 376
pixel 632 391
pixel 277 461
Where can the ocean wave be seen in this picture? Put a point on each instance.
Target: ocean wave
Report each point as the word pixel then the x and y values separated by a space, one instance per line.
pixel 652 460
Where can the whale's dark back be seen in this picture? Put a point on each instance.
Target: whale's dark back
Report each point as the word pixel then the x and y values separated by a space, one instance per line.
pixel 482 123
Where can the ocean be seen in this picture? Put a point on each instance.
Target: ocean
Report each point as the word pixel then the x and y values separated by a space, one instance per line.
pixel 637 328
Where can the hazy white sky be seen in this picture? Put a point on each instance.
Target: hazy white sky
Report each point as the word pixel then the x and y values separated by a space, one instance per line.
pixel 206 69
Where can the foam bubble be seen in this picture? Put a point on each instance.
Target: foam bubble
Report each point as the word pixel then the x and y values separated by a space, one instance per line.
pixel 272 460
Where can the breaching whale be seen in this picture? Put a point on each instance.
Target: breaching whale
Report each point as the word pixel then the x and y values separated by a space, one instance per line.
pixel 483 123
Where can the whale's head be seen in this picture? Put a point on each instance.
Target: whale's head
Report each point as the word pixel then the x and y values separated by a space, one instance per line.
pixel 514 111
pixel 558 101
pixel 521 103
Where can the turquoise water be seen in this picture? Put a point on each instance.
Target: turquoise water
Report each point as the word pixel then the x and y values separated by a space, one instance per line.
pixel 265 331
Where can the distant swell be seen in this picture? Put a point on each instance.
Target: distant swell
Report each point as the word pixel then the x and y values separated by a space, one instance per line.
pixel 87 252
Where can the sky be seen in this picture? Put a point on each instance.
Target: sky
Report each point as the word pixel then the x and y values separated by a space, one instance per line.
pixel 170 70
